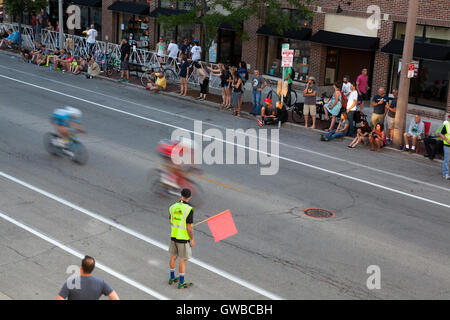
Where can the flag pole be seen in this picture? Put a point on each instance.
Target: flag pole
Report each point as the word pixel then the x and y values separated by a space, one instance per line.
pixel 210 218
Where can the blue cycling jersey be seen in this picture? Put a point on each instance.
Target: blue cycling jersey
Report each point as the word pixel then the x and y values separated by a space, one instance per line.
pixel 63 117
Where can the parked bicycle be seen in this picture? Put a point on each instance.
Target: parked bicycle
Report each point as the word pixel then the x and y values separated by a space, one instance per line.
pixel 273 92
pixel 297 109
pixel 169 74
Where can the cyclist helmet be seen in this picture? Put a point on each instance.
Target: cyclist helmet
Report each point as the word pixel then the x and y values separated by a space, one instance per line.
pixel 73 112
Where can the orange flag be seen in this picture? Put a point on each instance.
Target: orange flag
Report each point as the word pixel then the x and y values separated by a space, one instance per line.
pixel 222 226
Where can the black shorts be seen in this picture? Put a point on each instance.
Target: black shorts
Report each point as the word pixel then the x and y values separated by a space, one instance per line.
pixel 204 86
pixel 124 65
pixel 362 97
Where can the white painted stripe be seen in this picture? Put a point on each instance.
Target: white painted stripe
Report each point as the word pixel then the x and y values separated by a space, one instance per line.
pixel 140 236
pixel 77 254
pixel 324 155
pixel 235 144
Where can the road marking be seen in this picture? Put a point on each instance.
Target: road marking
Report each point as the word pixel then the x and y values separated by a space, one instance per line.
pixel 222 127
pixel 77 254
pixel 235 144
pixel 140 236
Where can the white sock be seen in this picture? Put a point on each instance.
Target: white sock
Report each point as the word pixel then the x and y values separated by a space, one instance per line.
pixel 413 147
pixel 407 146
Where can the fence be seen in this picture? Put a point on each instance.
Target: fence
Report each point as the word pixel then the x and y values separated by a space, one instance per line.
pixel 77 46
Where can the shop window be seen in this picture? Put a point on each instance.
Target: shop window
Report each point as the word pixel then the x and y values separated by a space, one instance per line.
pixel 331 65
pixel 437 35
pixel 135 28
pixel 400 31
pixel 180 5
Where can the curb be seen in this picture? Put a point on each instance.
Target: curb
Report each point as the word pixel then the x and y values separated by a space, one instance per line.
pixel 244 114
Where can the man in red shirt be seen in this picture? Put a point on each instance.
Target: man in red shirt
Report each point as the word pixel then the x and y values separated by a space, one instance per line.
pixel 362 87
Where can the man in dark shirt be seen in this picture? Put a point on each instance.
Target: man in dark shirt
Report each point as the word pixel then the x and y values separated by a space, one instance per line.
pixel 125 49
pixel 86 286
pixel 391 109
pixel 379 106
pixel 185 48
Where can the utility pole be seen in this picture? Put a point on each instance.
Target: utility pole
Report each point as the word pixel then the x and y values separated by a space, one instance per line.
pixel 403 89
pixel 61 24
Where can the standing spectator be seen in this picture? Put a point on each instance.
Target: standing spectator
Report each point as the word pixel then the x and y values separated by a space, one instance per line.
pixel 184 75
pixel 362 87
pixel 288 77
pixel 445 135
pixel 377 137
pixel 237 94
pixel 172 50
pixel 391 110
pixel 185 48
pixel 204 73
pixel 57 26
pixel 181 217
pixel 161 49
pixel 362 134
pixel 345 89
pixel 415 131
pixel 222 73
pixel 243 73
pixel 196 51
pixel 433 144
pixel 309 106
pixel 90 287
pixel 91 38
pixel 227 87
pixel 258 85
pixel 40 25
pixel 49 26
pixel 340 131
pixel 351 108
pixel 333 107
pixel 379 107
pixel 124 56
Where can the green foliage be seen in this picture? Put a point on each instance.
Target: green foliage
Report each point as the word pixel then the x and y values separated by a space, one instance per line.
pixel 210 13
pixel 17 7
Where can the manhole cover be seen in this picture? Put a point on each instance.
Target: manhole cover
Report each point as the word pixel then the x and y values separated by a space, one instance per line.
pixel 318 213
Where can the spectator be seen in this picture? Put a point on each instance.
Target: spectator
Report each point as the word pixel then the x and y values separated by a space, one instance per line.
pixel 231 70
pixel 35 53
pixel 42 57
pixel 351 108
pixel 445 135
pixel 57 26
pixel 66 62
pixel 377 137
pixel 91 38
pixel 340 131
pixel 362 134
pixel 227 86
pixel 309 106
pixel 81 67
pixel 184 75
pixel 362 87
pixel 93 69
pixel 54 56
pixel 379 102
pixel 185 48
pixel 333 107
pixel 288 77
pixel 415 132
pixel 172 50
pixel 345 90
pixel 433 144
pixel 268 113
pixel 204 85
pixel 196 51
pixel 25 54
pixel 3 34
pixel 237 93
pixel 161 48
pixel 73 65
pixel 124 56
pixel 222 73
pixel 159 84
pixel 391 110
pixel 40 25
pixel 258 85
pixel 49 26
pixel 90 287
pixel 12 38
pixel 243 73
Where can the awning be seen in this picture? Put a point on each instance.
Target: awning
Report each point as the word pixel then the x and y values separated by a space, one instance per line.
pixel 342 40
pixel 302 34
pixel 87 3
pixel 137 8
pixel 166 12
pixel 429 51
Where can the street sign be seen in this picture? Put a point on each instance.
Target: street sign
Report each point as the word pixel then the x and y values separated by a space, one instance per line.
pixel 413 69
pixel 287 58
pixel 284 46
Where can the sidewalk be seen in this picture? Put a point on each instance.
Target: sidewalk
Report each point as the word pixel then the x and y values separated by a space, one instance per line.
pixel 214 99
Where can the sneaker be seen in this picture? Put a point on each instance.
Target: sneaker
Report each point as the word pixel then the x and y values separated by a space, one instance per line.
pixel 322 138
pixel 174 280
pixel 120 79
pixel 447 177
pixel 185 285
pixel 260 122
pixel 127 81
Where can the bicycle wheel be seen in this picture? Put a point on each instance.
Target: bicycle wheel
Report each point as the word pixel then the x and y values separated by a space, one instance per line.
pixel 269 95
pixel 170 76
pixel 297 114
pixel 48 144
pixel 293 98
pixel 80 153
pixel 145 77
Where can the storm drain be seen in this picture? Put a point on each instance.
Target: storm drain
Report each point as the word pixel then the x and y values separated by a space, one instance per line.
pixel 318 213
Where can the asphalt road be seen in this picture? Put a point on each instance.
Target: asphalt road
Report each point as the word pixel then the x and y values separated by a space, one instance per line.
pixel 391 209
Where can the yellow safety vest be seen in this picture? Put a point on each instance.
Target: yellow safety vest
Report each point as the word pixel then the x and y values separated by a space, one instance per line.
pixel 447 135
pixel 178 215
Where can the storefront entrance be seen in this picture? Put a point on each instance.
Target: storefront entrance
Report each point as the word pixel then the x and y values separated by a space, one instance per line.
pixel 229 47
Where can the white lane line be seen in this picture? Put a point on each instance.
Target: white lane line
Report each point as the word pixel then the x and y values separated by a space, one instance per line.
pixel 354 164
pixel 235 144
pixel 140 236
pixel 77 254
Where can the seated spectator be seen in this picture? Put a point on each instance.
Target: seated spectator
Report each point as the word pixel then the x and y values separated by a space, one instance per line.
pixel 73 65
pixel 362 134
pixel 67 61
pixel 377 137
pixel 415 132
pixel 35 52
pixel 81 67
pixel 25 54
pixel 334 107
pixel 341 130
pixel 42 58
pixel 93 69
pixel 159 84
pixel 3 34
pixel 54 56
pixel 433 144
pixel 268 113
pixel 12 38
pixel 275 115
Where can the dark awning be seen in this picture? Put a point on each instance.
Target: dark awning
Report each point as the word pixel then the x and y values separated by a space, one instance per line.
pixel 343 40
pixel 137 8
pixel 302 34
pixel 429 51
pixel 87 3
pixel 166 12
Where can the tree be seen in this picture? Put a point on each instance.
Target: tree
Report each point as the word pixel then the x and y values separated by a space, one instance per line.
pixel 19 7
pixel 210 13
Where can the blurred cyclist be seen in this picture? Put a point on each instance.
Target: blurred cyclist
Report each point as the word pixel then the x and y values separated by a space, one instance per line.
pixel 66 121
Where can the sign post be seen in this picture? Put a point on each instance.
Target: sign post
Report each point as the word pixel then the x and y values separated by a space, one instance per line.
pixel 287 60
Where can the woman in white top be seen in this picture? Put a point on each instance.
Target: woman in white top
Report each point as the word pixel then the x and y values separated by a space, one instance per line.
pixel 351 108
pixel 161 49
